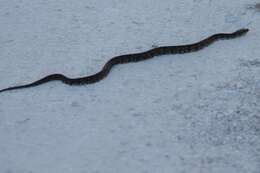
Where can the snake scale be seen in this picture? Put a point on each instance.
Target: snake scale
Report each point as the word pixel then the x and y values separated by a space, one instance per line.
pixel 135 57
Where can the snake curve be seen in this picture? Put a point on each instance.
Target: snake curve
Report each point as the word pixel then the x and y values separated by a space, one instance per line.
pixel 135 57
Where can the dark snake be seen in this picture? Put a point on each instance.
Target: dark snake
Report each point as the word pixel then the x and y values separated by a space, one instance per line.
pixel 135 57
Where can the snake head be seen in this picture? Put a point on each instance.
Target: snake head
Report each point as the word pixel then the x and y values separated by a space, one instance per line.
pixel 241 32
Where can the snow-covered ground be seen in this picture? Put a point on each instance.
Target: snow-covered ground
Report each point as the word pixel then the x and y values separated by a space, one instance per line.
pixel 194 113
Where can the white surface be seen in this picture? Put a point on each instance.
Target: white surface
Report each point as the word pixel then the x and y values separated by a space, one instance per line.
pixel 194 113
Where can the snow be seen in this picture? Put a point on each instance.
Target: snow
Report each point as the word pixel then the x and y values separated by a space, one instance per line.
pixel 197 112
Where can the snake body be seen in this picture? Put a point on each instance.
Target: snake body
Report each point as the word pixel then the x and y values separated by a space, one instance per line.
pixel 129 58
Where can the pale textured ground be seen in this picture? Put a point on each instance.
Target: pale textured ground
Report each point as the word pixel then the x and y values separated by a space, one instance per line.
pixel 194 113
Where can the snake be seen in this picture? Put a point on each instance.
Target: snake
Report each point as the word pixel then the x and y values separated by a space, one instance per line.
pixel 131 58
